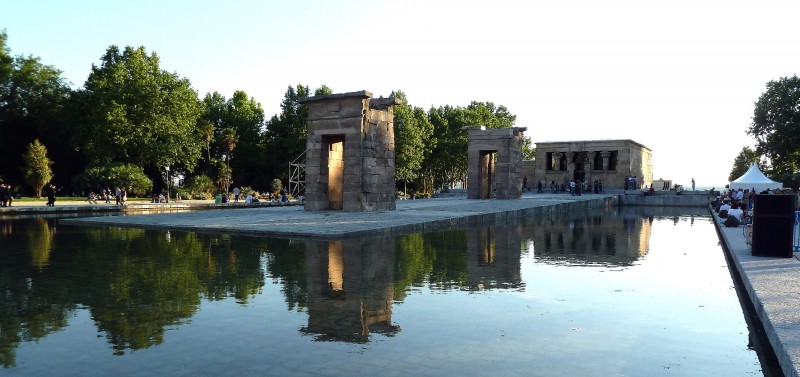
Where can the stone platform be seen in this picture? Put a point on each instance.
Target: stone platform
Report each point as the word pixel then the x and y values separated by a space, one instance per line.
pixel 773 287
pixel 411 216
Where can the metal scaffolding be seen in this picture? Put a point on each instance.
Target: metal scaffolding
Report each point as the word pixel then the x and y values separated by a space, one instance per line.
pixel 297 175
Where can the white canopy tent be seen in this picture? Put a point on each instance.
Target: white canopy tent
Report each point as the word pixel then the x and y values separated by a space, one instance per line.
pixel 754 178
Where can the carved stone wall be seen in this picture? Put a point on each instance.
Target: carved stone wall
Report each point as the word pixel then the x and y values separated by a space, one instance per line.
pixel 494 163
pixel 350 153
pixel 609 161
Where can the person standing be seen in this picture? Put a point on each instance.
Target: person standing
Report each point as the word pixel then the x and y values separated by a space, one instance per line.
pixel 539 187
pixel 3 194
pixel 692 184
pixel 572 187
pixel 51 195
pixel 236 193
pixel 117 195
pixel 524 184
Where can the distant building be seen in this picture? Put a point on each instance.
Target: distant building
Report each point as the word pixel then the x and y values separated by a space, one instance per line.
pixel 610 161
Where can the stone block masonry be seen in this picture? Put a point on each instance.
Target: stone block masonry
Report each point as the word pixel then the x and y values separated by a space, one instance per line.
pixel 350 153
pixel 494 163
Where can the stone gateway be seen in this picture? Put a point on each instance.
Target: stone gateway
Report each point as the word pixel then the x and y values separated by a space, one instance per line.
pixel 494 163
pixel 350 153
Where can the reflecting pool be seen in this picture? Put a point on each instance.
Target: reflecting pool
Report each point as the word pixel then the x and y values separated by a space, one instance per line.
pixel 618 293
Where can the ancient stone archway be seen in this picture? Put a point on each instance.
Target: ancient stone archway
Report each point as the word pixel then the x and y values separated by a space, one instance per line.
pixel 350 153
pixel 494 159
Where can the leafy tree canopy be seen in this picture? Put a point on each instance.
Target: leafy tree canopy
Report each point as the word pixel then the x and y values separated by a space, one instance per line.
pixel 776 124
pixel 32 96
pixel 137 113
pixel 412 137
pixel 742 162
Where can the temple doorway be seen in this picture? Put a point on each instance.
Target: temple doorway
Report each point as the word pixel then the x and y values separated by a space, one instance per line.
pixel 487 173
pixel 335 146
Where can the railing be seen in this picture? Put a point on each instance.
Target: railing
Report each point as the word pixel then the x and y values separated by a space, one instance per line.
pixel 796 245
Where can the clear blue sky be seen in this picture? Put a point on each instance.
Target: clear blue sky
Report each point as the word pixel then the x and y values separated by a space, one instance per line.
pixel 679 77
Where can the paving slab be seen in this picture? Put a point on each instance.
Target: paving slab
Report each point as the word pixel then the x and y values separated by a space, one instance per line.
pixel 773 286
pixel 410 216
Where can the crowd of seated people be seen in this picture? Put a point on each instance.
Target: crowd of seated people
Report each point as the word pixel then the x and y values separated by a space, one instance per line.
pixel 732 212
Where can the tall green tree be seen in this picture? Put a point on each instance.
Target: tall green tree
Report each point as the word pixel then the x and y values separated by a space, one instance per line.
pixel 412 138
pixel 32 100
pixel 246 117
pixel 776 124
pixel 447 162
pixel 137 113
pixel 37 169
pixel 286 133
pixel 742 162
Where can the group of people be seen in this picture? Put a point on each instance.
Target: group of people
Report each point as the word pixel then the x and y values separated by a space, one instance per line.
pixel 574 187
pixel 577 187
pixel 253 197
pixel 734 205
pixel 120 196
pixel 631 182
pixel 6 195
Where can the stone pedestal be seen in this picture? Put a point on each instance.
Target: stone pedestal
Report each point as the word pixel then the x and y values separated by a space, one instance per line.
pixel 494 158
pixel 350 153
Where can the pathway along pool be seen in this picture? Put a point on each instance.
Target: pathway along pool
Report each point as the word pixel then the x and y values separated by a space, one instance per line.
pixel 615 293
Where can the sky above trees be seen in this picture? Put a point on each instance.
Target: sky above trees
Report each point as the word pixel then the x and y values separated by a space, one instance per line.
pixel 680 78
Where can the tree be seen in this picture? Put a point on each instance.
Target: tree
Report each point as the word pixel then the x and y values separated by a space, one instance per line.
pixel 447 162
pixel 776 124
pixel 323 90
pixel 528 150
pixel 37 169
pixel 137 113
pixel 742 162
pixel 245 116
pixel 412 138
pixel 276 186
pixel 286 133
pixel 207 135
pixel 32 99
pixel 228 140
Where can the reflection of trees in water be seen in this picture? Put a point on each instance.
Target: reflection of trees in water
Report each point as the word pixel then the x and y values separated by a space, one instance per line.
pixel 40 237
pixel 134 282
pixel 438 259
pixel 31 304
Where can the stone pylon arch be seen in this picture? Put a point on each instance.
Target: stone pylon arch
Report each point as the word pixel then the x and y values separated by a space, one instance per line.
pixel 350 153
pixel 494 158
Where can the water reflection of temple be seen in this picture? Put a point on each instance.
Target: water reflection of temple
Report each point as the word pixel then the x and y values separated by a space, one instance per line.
pixel 494 257
pixel 350 289
pixel 606 238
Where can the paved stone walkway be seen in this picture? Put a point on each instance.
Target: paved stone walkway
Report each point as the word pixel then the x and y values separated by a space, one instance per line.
pixel 773 286
pixel 410 216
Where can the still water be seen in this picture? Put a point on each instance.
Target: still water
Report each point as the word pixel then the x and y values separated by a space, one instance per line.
pixel 619 293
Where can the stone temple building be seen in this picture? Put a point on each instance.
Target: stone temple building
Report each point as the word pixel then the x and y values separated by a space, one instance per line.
pixel 610 161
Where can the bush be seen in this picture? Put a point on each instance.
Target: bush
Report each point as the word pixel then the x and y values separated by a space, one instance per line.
pixel 199 185
pixel 276 186
pixel 129 176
